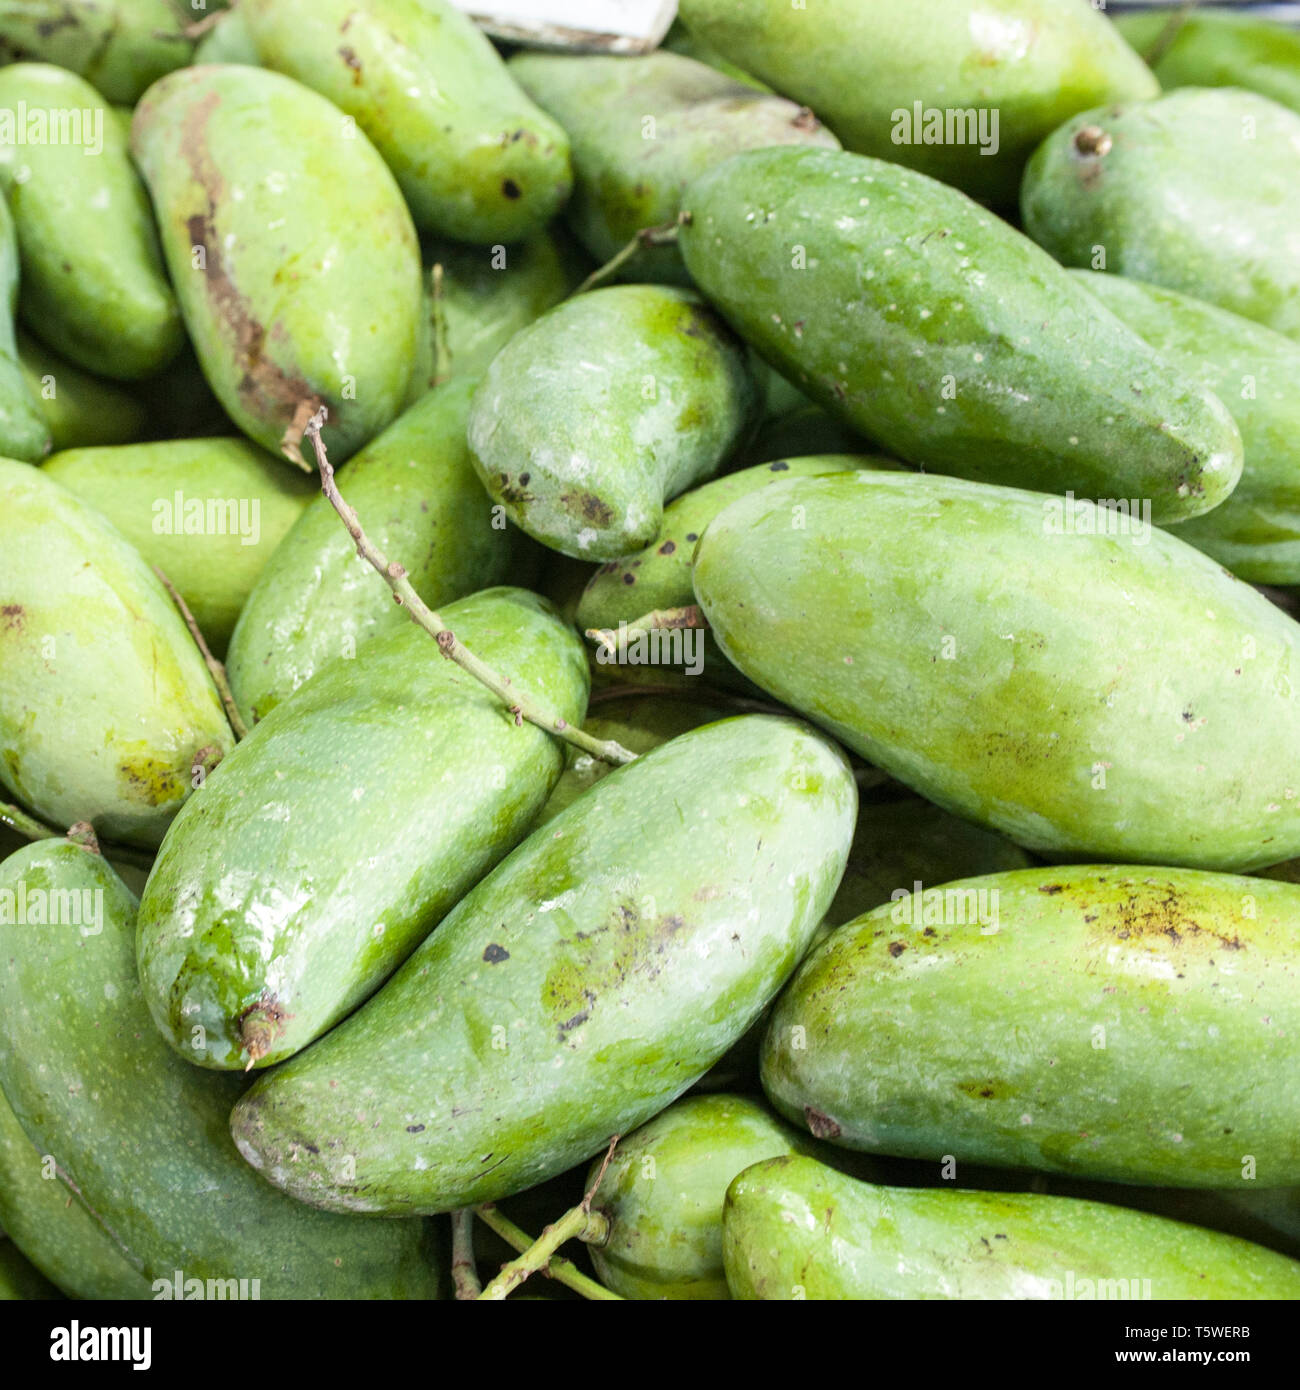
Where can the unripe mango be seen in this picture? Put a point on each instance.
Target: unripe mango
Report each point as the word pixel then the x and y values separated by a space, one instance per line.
pixel 664 1189
pixel 119 46
pixel 796 1229
pixel 57 1234
pixel 936 330
pixel 475 158
pixel 964 639
pixel 92 285
pixel 107 712
pixel 290 249
pixel 358 812
pixel 1198 191
pixel 1133 1024
pixel 80 410
pixel 612 403
pixel 24 433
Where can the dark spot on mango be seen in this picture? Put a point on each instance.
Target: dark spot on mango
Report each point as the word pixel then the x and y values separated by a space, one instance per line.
pixel 1051 888
pixel 896 948
pixel 350 58
pixel 495 953
pixel 629 578
pixel 692 535
pixel 415 1129
pixel 780 466
pixel 510 188
pixel 668 548
pixel 820 1126
pixel 13 615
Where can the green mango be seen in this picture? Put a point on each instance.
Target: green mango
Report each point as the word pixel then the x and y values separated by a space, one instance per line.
pixel 898 844
pixel 80 410
pixel 989 78
pixel 909 312
pixel 642 128
pixel 292 253
pixel 489 294
pixel 340 875
pixel 1256 532
pixel 107 711
pixel 658 577
pixel 138 1134
pixel 1052 1019
pixel 24 433
pixel 1063 673
pixel 795 1229
pixel 639 723
pixel 92 284
pixel 421 502
pixel 1198 192
pixel 578 989
pixel 208 512
pixel 56 1233
pixel 228 41
pixel 119 46
pixel 1217 48
pixel 20 1280
pixel 476 159
pixel 592 417
pixel 663 1192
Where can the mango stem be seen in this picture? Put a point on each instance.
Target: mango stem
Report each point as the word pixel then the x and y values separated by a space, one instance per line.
pixel 688 616
pixel 581 1223
pixel 1165 38
pixel 519 703
pixel 647 237
pixel 464 1272
pixel 27 826
pixel 215 669
pixel 558 1268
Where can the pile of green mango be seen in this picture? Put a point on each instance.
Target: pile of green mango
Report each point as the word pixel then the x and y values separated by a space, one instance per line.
pixel 696 649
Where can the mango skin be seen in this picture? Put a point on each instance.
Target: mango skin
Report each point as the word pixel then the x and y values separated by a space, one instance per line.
pixel 489 294
pixel 475 158
pixel 659 576
pixel 215 564
pixel 421 502
pixel 57 1235
pixel 1198 192
pixel 907 310
pixel 80 410
pixel 20 1280
pixel 1216 48
pixel 93 285
pixel 609 405
pixel 897 844
pixel 309 289
pixel 139 1135
pixel 993 685
pixel 664 1189
pixel 1059 1031
pixel 106 706
pixel 624 179
pixel 119 46
pixel 24 433
pixel 1256 532
pixel 340 875
pixel 857 62
pixel 228 41
pixel 617 953
pixel 794 1228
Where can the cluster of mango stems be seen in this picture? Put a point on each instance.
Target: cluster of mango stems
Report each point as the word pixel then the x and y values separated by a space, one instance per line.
pixel 818 812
